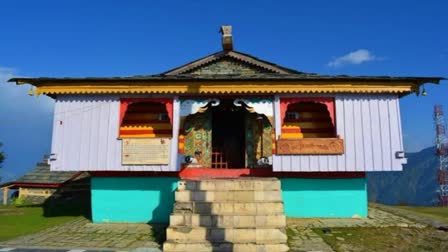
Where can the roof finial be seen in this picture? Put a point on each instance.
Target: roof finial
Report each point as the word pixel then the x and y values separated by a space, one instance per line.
pixel 227 41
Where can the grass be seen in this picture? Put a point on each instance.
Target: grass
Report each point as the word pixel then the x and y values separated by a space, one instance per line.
pixel 385 239
pixel 436 213
pixel 17 221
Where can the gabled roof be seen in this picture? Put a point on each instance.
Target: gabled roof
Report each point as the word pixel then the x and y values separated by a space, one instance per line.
pixel 228 72
pixel 41 176
pixel 245 61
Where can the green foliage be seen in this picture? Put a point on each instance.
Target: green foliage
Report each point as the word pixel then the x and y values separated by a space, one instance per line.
pixel 2 155
pixel 21 201
pixel 439 214
pixel 384 239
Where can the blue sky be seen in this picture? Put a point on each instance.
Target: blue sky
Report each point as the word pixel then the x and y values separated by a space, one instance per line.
pixel 121 38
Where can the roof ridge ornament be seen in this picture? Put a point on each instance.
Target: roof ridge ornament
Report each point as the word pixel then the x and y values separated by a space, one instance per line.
pixel 227 40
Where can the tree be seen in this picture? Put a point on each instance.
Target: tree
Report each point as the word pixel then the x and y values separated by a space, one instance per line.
pixel 2 156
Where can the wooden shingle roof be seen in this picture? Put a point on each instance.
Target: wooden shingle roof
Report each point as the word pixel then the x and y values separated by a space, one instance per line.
pixel 41 176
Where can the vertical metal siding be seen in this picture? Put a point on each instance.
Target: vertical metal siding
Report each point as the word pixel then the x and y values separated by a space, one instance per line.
pixel 88 140
pixel 371 128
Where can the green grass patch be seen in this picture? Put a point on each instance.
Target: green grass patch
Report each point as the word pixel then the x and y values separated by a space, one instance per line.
pixel 21 220
pixel 437 213
pixel 385 239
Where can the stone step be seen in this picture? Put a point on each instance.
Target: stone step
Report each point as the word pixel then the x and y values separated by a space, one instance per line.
pixel 225 185
pixel 228 196
pixel 228 221
pixel 234 235
pixel 173 246
pixel 229 208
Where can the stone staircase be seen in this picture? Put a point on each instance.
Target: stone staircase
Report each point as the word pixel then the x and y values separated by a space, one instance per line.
pixel 223 215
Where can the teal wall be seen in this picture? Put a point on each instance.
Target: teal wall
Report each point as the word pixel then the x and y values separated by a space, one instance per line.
pixel 324 197
pixel 132 199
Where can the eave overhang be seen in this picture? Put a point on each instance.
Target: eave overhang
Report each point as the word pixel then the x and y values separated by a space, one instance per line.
pixel 266 84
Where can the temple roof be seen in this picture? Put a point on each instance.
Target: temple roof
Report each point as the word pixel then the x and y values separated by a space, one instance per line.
pixel 41 176
pixel 227 65
pixel 228 71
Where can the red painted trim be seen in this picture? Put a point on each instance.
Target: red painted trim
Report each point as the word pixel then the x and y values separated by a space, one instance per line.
pixel 139 132
pixel 286 120
pixel 305 130
pixel 34 185
pixel 225 96
pixel 133 174
pixel 41 185
pixel 198 173
pixel 143 121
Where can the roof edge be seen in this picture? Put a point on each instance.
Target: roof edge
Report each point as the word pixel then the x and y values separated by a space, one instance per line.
pixel 158 78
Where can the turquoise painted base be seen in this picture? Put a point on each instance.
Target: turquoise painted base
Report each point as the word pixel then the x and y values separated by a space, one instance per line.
pixel 132 199
pixel 333 198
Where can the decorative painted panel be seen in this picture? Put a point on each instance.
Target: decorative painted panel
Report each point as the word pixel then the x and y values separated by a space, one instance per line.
pixel 198 137
pixel 258 138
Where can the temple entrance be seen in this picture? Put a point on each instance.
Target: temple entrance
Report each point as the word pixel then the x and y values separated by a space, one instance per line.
pixel 228 136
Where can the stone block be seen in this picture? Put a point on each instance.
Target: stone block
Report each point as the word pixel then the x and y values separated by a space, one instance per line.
pixel 223 196
pixel 271 185
pixel 268 196
pixel 245 208
pixel 270 208
pixel 173 246
pixel 222 208
pixel 206 185
pixel 191 185
pixel 182 196
pixel 270 235
pixel 243 221
pixel 244 235
pixel 205 196
pixel 218 235
pixel 177 220
pixel 201 220
pixel 183 207
pixel 244 196
pixel 222 221
pixel 272 248
pixel 270 221
pixel 224 185
pixel 244 185
pixel 186 233
pixel 244 247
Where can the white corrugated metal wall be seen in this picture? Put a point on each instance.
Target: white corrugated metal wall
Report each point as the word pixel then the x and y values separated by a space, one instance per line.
pixel 371 128
pixel 85 136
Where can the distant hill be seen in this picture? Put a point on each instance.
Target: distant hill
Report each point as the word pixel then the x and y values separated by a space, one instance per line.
pixel 415 185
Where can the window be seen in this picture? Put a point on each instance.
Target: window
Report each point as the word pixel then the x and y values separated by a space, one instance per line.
pixel 146 119
pixel 307 119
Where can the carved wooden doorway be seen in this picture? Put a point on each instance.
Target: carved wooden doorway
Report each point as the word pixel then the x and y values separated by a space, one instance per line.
pixel 228 136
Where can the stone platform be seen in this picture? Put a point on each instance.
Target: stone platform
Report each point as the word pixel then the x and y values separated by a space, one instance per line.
pixel 244 214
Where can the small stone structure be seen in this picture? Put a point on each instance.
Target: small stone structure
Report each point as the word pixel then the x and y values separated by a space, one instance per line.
pixel 40 183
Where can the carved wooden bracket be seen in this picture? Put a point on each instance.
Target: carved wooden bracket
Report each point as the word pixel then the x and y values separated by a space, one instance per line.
pixel 310 146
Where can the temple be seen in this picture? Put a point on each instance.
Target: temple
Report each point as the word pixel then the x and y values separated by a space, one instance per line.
pixel 228 115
